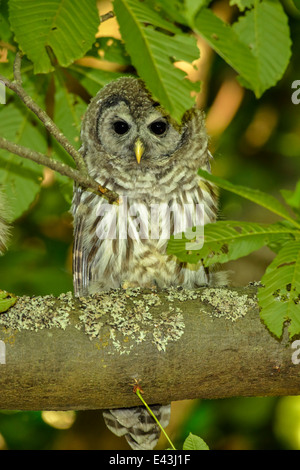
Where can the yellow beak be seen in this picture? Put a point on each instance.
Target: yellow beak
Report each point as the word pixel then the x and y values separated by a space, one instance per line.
pixel 139 149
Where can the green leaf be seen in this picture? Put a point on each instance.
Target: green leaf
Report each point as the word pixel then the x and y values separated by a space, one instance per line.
pixel 228 240
pixel 280 298
pixel 265 200
pixel 5 32
pixel 110 49
pixel 281 240
pixel 171 9
pixel 292 198
pixel 193 442
pixel 21 178
pixel 242 4
pixel 6 301
pixel 225 41
pixel 92 79
pixel 271 51
pixel 297 4
pixel 250 46
pixel 68 27
pixel 6 69
pixel 152 53
pixel 68 113
pixel 193 6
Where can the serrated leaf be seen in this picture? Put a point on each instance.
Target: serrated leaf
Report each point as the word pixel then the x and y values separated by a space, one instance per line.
pixel 292 197
pixel 194 442
pixel 5 32
pixel 110 49
pixel 271 51
pixel 228 240
pixel 193 6
pixel 297 4
pixel 225 41
pixel 257 46
pixel 68 113
pixel 68 27
pixel 263 199
pixel 6 69
pixel 92 79
pixel 280 298
pixel 153 51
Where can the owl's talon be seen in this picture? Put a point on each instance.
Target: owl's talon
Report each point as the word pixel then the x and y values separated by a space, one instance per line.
pixel 132 285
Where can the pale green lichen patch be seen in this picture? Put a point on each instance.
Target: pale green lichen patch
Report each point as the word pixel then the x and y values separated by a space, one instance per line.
pixel 35 313
pixel 121 319
pixel 117 318
pixel 169 327
pixel 128 318
pixel 181 294
pixel 226 303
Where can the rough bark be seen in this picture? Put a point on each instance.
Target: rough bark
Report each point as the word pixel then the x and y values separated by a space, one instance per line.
pixel 68 353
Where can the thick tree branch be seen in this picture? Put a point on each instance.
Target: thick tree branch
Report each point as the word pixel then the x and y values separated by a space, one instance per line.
pixel 179 344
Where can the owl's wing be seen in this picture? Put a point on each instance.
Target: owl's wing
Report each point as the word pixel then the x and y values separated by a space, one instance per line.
pixel 80 254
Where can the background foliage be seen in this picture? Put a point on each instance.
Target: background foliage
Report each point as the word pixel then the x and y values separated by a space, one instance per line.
pixel 249 58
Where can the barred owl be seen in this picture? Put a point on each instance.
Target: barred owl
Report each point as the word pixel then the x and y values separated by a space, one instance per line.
pixel 133 147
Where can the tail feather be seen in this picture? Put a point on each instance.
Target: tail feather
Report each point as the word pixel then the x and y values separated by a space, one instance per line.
pixel 137 425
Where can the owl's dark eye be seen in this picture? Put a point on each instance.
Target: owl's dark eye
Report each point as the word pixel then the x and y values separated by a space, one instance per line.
pixel 158 127
pixel 121 127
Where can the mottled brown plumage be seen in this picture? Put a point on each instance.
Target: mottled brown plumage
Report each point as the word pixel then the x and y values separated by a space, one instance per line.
pixel 133 147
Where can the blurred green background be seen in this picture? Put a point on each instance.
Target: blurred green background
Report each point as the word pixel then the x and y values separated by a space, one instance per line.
pixel 255 143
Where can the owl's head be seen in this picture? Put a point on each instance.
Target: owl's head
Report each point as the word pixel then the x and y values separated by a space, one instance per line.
pixel 127 128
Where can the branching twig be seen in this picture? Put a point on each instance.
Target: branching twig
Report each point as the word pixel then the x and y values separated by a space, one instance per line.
pixel 83 180
pixel 80 174
pixel 41 114
pixel 42 159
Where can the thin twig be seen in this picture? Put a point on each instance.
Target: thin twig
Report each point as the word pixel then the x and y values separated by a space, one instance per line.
pixel 154 417
pixel 83 180
pixel 80 174
pixel 107 16
pixel 42 159
pixel 17 68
